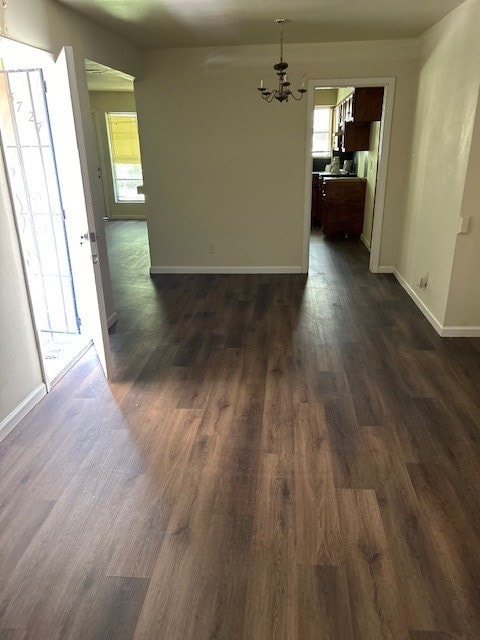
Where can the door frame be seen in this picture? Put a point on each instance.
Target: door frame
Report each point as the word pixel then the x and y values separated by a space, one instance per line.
pixel 388 84
pixel 101 159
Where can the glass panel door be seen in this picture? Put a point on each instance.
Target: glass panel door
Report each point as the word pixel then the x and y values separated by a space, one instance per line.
pixel 32 173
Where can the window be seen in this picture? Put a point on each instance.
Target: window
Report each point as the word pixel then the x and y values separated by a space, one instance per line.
pixel 322 131
pixel 125 156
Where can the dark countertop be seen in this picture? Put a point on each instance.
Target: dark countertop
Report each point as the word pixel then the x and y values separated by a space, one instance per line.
pixel 327 174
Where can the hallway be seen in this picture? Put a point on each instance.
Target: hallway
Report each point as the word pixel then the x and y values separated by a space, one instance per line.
pixel 277 457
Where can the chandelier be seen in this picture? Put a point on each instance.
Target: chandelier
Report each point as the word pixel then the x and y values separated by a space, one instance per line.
pixel 283 92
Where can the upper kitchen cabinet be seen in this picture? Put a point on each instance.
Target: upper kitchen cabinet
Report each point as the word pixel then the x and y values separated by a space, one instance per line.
pixel 356 136
pixel 366 104
pixel 352 118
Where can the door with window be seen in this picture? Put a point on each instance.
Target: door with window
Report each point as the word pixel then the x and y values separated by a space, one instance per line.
pixel 45 158
pixel 40 217
pixel 122 129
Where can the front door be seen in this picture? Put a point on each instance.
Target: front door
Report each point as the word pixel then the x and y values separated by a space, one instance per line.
pixel 51 199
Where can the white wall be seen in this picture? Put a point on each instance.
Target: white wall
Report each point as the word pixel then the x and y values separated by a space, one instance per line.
pixel 447 101
pixel 463 308
pixel 371 160
pixel 49 26
pixel 110 101
pixel 229 169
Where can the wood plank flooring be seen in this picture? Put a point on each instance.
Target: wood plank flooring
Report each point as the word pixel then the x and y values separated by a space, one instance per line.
pixel 277 458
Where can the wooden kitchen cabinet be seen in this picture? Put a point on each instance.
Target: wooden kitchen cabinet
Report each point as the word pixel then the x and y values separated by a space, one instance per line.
pixel 316 211
pixel 355 136
pixel 343 205
pixel 352 118
pixel 367 104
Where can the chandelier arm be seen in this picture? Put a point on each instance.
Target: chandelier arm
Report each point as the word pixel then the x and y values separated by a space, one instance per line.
pixel 269 97
pixel 295 98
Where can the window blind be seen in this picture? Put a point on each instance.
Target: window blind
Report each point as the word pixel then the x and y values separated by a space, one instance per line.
pixel 123 137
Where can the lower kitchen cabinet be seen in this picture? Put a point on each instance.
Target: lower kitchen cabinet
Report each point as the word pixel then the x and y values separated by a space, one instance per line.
pixel 343 205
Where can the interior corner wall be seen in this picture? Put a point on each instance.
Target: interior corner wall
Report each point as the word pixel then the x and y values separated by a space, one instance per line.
pixel 447 99
pixel 228 169
pixel 103 102
pixel 463 307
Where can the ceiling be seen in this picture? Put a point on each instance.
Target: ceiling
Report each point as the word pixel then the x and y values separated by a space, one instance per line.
pixel 102 78
pixel 190 23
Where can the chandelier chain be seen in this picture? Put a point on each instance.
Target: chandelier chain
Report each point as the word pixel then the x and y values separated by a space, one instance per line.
pixel 282 24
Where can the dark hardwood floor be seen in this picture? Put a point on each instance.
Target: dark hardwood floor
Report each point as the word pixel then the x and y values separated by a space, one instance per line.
pixel 276 458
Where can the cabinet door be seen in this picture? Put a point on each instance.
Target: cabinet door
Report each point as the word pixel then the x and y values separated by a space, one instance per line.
pixel 315 198
pixel 343 206
pixel 368 104
pixel 357 136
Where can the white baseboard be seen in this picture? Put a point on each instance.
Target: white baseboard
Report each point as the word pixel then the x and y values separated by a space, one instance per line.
pixel 461 332
pixel 132 217
pixel 224 270
pixel 419 302
pixel 386 269
pixel 444 331
pixel 21 410
pixel 111 320
pixel 365 241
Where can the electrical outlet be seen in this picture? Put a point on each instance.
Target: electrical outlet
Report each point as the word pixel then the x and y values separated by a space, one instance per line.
pixel 423 282
pixel 210 247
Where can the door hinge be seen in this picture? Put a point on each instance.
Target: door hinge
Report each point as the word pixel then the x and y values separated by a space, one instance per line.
pixel 63 214
pixel 79 322
pixel 45 85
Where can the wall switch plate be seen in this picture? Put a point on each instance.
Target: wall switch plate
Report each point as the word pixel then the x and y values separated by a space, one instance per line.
pixel 210 247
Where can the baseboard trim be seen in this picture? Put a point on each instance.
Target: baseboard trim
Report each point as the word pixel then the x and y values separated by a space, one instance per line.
pixel 443 331
pixel 11 421
pixel 223 270
pixel 111 320
pixel 461 332
pixel 365 241
pixel 133 217
pixel 386 269
pixel 420 304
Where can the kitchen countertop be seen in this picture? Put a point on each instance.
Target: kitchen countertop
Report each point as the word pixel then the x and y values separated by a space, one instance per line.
pixel 327 174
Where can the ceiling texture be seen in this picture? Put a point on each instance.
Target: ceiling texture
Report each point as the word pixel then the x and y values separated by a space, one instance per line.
pixel 191 23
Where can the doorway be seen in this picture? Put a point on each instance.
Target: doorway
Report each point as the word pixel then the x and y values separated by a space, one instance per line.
pixel 366 158
pixel 119 163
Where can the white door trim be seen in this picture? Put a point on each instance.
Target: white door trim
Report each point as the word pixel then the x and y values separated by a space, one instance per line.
pixel 383 154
